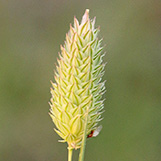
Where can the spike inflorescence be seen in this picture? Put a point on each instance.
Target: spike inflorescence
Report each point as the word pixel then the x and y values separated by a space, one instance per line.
pixel 78 90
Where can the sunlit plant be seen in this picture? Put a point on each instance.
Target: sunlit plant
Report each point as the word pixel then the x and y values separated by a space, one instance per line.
pixel 76 103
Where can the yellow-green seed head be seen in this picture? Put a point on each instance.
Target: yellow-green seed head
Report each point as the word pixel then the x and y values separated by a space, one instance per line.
pixel 78 89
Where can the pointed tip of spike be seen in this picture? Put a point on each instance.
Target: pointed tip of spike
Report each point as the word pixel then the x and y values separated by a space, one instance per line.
pixel 87 11
pixel 85 16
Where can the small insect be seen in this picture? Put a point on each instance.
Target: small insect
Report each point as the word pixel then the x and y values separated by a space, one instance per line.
pixel 95 132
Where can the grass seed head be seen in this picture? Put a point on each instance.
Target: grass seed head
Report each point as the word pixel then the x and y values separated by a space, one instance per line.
pixel 78 90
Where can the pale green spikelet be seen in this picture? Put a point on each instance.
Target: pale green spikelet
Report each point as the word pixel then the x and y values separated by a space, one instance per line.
pixel 79 88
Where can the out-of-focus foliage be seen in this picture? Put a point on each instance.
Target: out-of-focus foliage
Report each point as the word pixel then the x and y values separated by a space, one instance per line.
pixel 30 35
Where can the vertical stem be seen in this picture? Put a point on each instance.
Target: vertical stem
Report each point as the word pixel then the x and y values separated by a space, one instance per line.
pixel 82 150
pixel 70 151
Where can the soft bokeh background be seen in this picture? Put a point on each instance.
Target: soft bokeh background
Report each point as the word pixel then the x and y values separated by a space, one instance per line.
pixel 31 32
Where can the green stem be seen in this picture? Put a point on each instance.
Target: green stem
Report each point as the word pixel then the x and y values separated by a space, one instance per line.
pixel 70 151
pixel 82 150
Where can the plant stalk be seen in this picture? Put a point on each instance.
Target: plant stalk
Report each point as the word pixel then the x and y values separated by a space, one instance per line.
pixel 70 152
pixel 82 150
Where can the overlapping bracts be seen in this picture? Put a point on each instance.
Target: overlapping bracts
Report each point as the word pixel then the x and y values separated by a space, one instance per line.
pixel 78 90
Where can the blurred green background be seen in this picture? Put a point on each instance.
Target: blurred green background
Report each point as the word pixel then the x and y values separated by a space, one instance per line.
pixel 31 32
